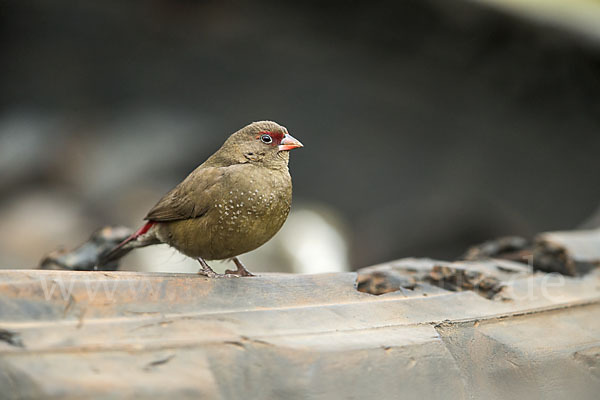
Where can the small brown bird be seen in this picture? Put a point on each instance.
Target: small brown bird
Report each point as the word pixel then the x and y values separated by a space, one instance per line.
pixel 231 204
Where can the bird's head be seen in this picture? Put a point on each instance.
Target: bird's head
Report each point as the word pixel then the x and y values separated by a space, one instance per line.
pixel 264 142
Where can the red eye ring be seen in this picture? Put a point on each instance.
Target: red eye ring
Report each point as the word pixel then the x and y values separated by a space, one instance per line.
pixel 267 139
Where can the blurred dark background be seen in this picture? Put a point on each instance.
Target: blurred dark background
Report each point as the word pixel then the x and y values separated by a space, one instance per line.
pixel 428 125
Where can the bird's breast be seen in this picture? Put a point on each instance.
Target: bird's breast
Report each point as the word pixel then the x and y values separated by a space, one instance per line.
pixel 257 200
pixel 247 214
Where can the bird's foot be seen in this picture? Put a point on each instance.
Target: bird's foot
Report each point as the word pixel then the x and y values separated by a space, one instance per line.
pixel 240 271
pixel 206 270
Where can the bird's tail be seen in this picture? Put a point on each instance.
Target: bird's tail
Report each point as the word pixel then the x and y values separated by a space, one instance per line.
pixel 128 244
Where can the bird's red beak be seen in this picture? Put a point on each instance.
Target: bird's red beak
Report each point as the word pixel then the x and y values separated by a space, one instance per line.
pixel 289 142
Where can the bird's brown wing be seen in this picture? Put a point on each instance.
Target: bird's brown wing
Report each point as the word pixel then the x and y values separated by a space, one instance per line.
pixel 192 198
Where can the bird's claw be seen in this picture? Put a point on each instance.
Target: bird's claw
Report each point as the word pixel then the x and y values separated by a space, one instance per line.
pixel 207 271
pixel 241 270
pixel 238 273
pixel 208 274
pixel 214 275
pixel 227 274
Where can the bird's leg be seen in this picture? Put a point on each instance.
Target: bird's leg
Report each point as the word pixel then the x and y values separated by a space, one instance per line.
pixel 205 269
pixel 241 270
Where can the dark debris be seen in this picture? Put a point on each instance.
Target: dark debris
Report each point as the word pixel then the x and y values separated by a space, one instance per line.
pixel 421 281
pixel 542 254
pixel 151 365
pixel 457 280
pixel 379 282
pixel 11 337
pixel 86 256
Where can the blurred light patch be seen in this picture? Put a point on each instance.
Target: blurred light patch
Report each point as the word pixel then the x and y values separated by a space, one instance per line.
pixel 579 16
pixel 313 240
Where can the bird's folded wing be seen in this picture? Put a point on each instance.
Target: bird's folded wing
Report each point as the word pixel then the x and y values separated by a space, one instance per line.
pixel 192 198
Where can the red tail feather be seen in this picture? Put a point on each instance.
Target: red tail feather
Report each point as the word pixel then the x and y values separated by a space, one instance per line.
pixel 144 229
pixel 136 235
pixel 116 253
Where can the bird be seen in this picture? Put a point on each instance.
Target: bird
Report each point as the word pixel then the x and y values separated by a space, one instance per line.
pixel 232 203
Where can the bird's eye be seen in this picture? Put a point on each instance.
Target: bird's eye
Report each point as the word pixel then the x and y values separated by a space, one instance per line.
pixel 266 139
